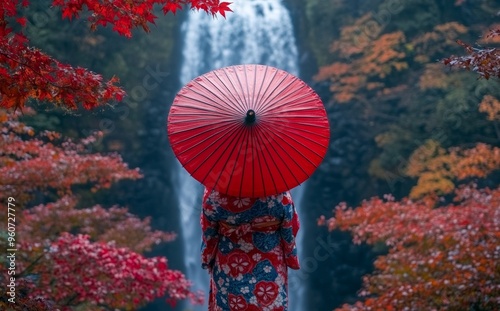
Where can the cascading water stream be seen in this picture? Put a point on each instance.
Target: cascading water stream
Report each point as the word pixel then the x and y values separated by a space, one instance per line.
pixel 257 32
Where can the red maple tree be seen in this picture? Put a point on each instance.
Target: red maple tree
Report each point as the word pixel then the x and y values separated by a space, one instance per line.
pixel 71 257
pixel 443 258
pixel 76 273
pixel 28 73
pixel 98 266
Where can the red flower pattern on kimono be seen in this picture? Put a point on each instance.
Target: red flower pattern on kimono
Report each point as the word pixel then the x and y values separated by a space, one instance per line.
pixel 247 246
pixel 239 263
pixel 237 303
pixel 266 292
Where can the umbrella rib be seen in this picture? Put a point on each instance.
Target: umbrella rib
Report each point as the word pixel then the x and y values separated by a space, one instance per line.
pixel 298 133
pixel 204 120
pixel 263 99
pixel 209 113
pixel 226 94
pixel 285 91
pixel 194 146
pixel 277 102
pixel 271 96
pixel 201 108
pixel 254 94
pixel 247 98
pixel 238 100
pixel 243 100
pixel 253 165
pixel 285 101
pixel 210 127
pixel 311 124
pixel 216 87
pixel 229 92
pixel 192 102
pixel 227 100
pixel 212 144
pixel 290 157
pixel 298 141
pixel 304 138
pixel 245 160
pixel 272 159
pixel 275 93
pixel 293 106
pixel 273 105
pixel 289 101
pixel 229 157
pixel 274 117
pixel 257 102
pixel 215 104
pixel 194 136
pixel 236 160
pixel 270 143
pixel 261 169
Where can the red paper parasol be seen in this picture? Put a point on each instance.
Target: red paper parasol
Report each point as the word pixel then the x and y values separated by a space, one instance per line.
pixel 248 130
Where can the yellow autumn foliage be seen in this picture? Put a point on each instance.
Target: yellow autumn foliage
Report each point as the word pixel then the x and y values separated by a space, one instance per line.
pixel 438 170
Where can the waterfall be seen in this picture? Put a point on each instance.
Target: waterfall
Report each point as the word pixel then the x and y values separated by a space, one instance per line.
pixel 257 32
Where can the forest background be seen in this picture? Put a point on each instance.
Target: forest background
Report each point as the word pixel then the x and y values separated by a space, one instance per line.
pixel 403 123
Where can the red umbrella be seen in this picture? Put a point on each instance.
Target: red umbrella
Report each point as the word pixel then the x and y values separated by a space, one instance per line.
pixel 248 130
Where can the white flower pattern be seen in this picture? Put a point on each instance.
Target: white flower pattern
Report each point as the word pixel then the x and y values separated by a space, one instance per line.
pixel 241 202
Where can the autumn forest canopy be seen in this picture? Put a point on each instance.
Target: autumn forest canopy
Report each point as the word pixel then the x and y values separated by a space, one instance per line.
pixel 412 90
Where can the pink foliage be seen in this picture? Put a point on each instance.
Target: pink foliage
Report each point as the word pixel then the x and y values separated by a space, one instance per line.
pixel 76 270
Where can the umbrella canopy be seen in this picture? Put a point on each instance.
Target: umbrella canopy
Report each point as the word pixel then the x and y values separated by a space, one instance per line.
pixel 248 130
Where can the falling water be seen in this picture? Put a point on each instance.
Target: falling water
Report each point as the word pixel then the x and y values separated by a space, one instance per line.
pixel 257 32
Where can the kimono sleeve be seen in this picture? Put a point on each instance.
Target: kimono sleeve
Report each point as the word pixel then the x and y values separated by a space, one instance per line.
pixel 289 228
pixel 210 235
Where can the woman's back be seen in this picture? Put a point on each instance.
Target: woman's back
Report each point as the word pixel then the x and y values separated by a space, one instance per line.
pixel 247 246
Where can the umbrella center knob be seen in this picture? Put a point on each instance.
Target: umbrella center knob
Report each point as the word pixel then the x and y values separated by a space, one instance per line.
pixel 250 118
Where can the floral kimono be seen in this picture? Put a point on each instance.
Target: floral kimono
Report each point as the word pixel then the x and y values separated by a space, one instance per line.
pixel 247 246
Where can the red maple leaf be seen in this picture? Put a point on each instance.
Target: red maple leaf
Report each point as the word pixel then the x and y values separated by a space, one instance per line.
pixel 28 73
pixel 171 7
pixel 223 7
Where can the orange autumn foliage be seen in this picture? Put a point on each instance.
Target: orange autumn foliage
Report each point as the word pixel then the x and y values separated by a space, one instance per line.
pixel 491 35
pixel 491 106
pixel 332 71
pixel 437 40
pixel 385 55
pixel 373 59
pixel 374 56
pixel 355 38
pixel 438 169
